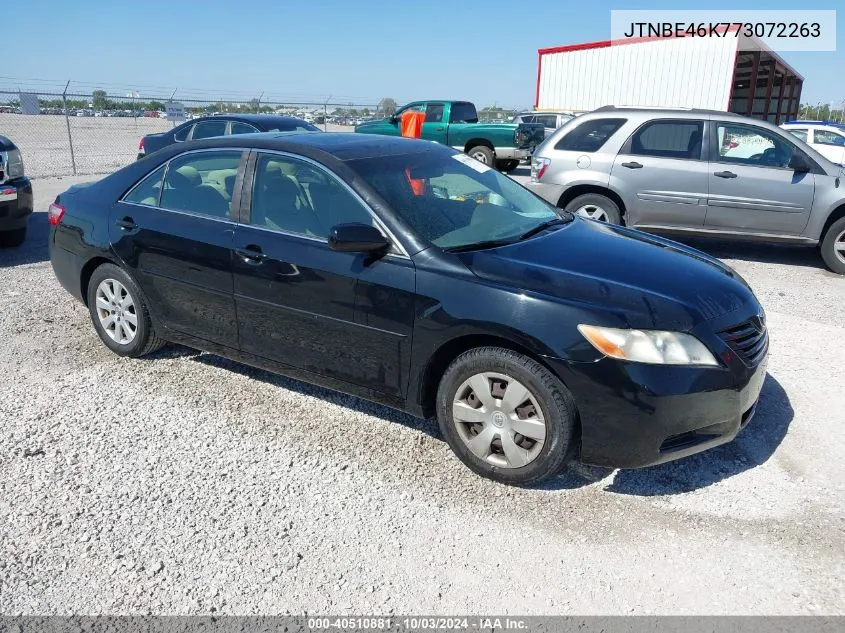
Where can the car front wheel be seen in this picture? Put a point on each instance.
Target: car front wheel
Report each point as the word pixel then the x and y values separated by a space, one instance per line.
pixel 506 416
pixel 120 314
pixel 833 247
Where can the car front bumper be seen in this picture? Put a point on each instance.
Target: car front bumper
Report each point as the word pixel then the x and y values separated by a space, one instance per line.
pixel 634 414
pixel 15 204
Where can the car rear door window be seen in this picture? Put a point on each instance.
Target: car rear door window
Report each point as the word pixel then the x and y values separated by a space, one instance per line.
pixel 243 128
pixel 207 129
pixel 668 139
pixel 182 135
pixel 798 133
pixel 296 197
pixel 548 120
pixel 147 191
pixel 590 136
pixel 202 183
pixel 463 113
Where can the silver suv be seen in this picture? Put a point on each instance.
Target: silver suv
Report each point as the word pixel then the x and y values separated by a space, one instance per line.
pixel 695 173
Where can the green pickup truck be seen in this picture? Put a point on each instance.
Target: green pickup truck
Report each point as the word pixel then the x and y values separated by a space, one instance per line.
pixel 455 123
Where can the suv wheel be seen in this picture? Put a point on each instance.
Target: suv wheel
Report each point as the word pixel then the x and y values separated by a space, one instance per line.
pixel 119 313
pixel 595 207
pixel 506 416
pixel 833 247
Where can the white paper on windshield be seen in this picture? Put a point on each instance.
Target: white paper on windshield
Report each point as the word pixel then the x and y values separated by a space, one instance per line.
pixel 471 163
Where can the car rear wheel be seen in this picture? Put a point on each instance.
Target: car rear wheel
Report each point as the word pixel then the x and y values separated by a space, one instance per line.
pixel 482 154
pixel 119 313
pixel 507 166
pixel 595 207
pixel 833 247
pixel 506 416
pixel 9 239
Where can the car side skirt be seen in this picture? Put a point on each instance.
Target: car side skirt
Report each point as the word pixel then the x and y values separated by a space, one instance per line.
pixel 727 235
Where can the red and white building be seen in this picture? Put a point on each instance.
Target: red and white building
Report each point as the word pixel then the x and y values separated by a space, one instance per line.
pixel 735 74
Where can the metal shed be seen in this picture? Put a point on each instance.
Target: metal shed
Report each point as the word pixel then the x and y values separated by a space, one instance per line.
pixel 683 72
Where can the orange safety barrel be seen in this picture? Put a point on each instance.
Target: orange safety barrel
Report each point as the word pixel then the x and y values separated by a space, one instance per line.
pixel 412 123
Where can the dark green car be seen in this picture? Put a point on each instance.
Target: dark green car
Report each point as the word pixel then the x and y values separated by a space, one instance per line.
pixel 455 123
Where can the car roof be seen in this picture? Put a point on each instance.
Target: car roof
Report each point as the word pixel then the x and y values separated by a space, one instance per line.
pixel 343 146
pixel 833 124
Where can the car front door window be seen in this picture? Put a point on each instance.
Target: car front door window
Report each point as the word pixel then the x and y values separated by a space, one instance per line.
pixel 293 196
pixel 826 137
pixel 749 145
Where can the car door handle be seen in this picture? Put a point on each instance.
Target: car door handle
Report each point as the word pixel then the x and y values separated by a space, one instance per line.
pixel 724 174
pixel 632 165
pixel 251 254
pixel 126 224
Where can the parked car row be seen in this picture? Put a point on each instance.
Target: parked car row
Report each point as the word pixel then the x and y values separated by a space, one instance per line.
pixel 695 173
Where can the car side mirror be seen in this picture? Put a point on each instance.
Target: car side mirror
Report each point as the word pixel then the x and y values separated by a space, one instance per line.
pixel 800 163
pixel 357 238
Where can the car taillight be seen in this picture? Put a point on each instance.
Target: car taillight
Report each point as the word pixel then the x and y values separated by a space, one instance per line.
pixel 141 149
pixel 55 214
pixel 538 168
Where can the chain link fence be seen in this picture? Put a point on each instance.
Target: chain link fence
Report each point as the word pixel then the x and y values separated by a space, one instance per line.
pixel 74 133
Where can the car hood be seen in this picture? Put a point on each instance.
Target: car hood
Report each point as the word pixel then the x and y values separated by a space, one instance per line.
pixel 644 280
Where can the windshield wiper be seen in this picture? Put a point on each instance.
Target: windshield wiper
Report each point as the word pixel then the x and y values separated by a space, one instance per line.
pixel 478 246
pixel 542 227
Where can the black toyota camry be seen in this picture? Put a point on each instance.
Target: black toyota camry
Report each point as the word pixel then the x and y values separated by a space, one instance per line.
pixel 409 274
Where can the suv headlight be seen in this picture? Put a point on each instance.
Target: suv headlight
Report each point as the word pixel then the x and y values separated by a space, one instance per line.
pixel 14 164
pixel 648 346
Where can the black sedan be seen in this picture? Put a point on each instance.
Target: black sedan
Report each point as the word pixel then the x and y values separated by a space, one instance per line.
pixel 222 125
pixel 15 195
pixel 409 274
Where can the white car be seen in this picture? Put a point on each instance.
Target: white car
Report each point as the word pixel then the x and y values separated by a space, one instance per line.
pixel 827 138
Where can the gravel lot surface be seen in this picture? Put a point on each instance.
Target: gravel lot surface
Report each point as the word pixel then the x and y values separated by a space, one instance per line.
pixel 100 144
pixel 187 484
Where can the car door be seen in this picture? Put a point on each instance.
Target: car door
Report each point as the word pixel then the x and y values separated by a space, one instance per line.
pixel 173 231
pixel 347 316
pixel 752 189
pixel 434 127
pixel 662 169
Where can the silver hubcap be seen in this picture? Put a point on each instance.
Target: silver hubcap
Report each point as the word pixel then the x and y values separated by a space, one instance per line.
pixel 593 212
pixel 839 247
pixel 499 420
pixel 116 311
pixel 480 157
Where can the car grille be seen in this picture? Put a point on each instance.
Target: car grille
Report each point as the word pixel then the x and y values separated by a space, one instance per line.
pixel 749 340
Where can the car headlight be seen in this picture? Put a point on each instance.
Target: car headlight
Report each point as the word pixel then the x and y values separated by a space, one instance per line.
pixel 648 346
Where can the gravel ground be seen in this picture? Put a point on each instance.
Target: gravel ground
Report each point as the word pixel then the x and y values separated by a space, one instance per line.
pixel 100 144
pixel 186 484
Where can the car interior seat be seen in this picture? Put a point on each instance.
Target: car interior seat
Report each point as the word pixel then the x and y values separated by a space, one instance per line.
pixel 183 194
pixel 277 205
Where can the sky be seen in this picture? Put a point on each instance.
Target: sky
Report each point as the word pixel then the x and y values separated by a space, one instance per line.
pixel 352 51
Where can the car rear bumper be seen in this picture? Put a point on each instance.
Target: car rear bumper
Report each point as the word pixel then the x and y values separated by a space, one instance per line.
pixel 15 204
pixel 635 415
pixel 67 267
pixel 549 192
pixel 513 153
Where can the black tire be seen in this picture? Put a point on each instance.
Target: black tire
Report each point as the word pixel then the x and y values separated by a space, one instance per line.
pixel 10 239
pixel 507 166
pixel 606 205
pixel 835 236
pixel 483 154
pixel 554 400
pixel 145 340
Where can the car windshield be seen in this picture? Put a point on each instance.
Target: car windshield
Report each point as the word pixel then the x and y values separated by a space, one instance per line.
pixel 454 201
